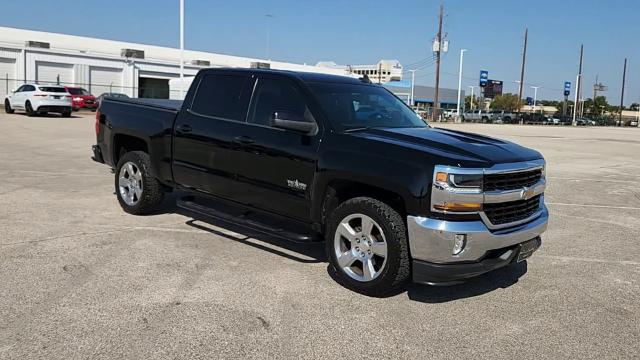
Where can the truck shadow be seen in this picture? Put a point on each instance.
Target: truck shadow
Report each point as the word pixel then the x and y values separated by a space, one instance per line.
pixel 498 279
pixel 314 252
pixel 303 252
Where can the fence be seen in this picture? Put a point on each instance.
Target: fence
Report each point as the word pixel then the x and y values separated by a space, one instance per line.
pixel 149 88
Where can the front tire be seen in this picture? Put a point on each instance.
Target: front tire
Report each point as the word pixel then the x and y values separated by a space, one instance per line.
pixel 366 244
pixel 7 107
pixel 138 191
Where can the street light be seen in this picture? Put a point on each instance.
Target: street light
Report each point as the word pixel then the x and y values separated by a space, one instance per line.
pixel 460 82
pixel 472 98
pixel 181 49
pixel 535 95
pixel 413 82
pixel 269 17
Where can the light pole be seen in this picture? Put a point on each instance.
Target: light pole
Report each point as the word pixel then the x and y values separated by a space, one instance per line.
pixel 181 49
pixel 575 102
pixel 460 82
pixel 413 84
pixel 472 98
pixel 269 17
pixel 535 96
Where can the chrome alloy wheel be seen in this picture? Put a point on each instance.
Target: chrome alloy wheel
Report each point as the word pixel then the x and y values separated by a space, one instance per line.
pixel 130 183
pixel 360 247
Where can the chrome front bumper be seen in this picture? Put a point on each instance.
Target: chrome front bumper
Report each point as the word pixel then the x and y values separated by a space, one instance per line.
pixel 432 240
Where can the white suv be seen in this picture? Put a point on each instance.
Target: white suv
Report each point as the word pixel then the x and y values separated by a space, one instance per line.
pixel 39 99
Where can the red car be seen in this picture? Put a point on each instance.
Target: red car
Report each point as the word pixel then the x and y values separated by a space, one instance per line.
pixel 81 98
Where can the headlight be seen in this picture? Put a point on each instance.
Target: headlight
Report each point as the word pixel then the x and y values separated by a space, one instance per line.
pixel 456 191
pixel 460 180
pixel 77 99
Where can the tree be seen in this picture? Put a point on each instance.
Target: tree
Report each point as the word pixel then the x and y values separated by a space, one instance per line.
pixel 599 106
pixel 468 100
pixel 505 102
pixel 634 107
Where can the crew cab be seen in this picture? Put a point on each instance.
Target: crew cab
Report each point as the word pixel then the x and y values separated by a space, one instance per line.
pixel 36 99
pixel 330 158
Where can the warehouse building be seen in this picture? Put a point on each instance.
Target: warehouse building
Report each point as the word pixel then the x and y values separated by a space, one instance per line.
pixel 109 66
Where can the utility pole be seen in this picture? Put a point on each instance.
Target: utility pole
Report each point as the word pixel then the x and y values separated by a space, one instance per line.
pixel 460 84
pixel 624 77
pixel 524 58
pixel 413 85
pixel 379 73
pixel 595 94
pixel 181 49
pixel 436 100
pixel 578 85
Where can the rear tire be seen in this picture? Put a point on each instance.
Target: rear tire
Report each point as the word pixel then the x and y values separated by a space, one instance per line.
pixel 138 191
pixel 7 107
pixel 384 248
pixel 29 109
pixel 66 114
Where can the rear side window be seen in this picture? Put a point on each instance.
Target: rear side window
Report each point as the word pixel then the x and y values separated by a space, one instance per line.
pixel 53 89
pixel 223 96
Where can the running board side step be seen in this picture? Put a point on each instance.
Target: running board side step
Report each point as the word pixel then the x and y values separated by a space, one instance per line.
pixel 251 221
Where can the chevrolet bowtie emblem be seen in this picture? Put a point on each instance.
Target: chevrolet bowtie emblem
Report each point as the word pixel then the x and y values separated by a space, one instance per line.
pixel 527 193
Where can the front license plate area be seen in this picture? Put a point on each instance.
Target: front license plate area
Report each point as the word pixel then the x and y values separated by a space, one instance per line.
pixel 527 249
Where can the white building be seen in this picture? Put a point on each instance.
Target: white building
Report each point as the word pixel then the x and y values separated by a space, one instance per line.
pixel 384 71
pixel 109 66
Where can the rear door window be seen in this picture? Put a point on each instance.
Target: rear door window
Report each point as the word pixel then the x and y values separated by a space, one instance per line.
pixel 223 96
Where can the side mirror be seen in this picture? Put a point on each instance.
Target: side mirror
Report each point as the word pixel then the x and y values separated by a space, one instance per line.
pixel 290 121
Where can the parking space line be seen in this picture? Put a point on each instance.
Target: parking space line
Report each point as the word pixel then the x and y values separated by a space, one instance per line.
pixel 594 206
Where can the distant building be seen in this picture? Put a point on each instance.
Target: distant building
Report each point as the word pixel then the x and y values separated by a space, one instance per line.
pixel 423 96
pixel 384 71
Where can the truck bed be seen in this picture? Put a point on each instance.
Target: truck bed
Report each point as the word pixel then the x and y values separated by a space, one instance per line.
pixel 165 104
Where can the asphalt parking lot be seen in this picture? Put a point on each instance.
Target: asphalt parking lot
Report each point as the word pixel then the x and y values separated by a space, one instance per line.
pixel 82 279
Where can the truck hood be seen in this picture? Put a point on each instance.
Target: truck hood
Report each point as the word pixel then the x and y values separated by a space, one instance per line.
pixel 456 145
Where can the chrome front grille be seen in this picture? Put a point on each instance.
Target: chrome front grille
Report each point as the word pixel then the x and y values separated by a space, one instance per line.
pixel 511 180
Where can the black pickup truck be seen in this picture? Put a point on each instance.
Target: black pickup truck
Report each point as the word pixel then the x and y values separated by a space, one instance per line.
pixel 345 160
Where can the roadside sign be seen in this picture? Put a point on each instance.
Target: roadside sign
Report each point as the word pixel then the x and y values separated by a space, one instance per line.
pixel 529 100
pixel 484 77
pixel 567 88
pixel 493 88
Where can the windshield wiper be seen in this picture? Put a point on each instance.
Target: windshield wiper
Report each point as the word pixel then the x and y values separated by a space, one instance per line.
pixel 363 128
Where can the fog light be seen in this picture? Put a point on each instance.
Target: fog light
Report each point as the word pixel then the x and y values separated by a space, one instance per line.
pixel 459 242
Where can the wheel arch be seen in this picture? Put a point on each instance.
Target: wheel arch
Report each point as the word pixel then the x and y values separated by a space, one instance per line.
pixel 340 190
pixel 123 143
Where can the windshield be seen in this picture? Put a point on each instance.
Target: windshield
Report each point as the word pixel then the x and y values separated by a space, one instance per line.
pixel 53 89
pixel 78 91
pixel 354 106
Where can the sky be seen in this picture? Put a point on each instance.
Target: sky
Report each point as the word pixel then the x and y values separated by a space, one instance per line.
pixel 364 31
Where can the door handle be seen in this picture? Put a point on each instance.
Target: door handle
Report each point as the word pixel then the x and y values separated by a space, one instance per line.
pixel 244 140
pixel 184 128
